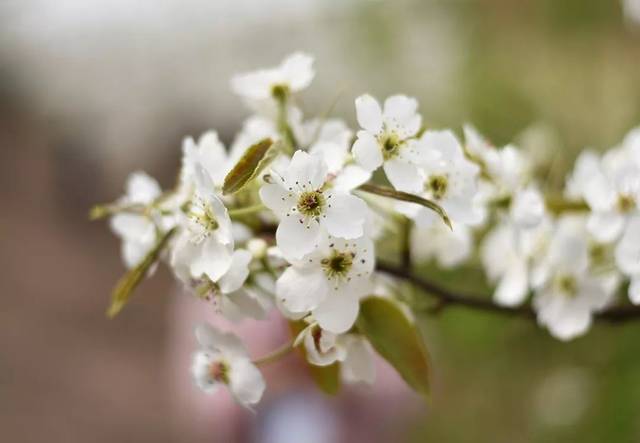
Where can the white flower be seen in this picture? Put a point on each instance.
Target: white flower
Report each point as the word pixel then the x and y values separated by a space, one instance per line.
pixel 567 291
pixel 205 242
pixel 448 247
pixel 587 166
pixel 299 197
pixel 329 282
pixel 507 253
pixel 354 353
pixel 223 360
pixel 613 194
pixel 388 139
pixel 450 181
pixel 138 231
pixel 208 152
pixel 627 255
pixel 294 74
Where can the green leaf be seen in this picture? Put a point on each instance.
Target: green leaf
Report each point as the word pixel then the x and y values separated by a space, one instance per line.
pixel 254 160
pixel 327 378
pixel 397 340
pixel 405 196
pixel 130 281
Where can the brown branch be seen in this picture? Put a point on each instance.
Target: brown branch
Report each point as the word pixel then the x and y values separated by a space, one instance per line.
pixel 445 297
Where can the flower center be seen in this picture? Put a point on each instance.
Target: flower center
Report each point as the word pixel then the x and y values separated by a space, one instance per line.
pixel 438 185
pixel 311 203
pixel 207 289
pixel 338 264
pixel 279 92
pixel 218 372
pixel 567 285
pixel 626 203
pixel 390 145
pixel 202 220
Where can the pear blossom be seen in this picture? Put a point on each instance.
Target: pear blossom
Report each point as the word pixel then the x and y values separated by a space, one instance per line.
pixel 329 282
pixel 507 253
pixel 138 231
pixel 208 152
pixel 205 242
pixel 567 292
pixel 449 247
pixel 223 360
pixel 294 74
pixel 450 181
pixel 306 208
pixel 612 193
pixel 388 139
pixel 527 208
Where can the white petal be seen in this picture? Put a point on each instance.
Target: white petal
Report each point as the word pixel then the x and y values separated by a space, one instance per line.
pixel 142 188
pixel 306 169
pixel 295 238
pixel 212 338
pixel 237 273
pixel 241 304
pixel 445 142
pixel 246 382
pixel 369 113
pixel 403 175
pixel 605 226
pixel 333 154
pixel 301 290
pixel 338 312
pixel 367 152
pixel 297 70
pixel 350 178
pixel 132 226
pixel 213 261
pixel 627 252
pixel 345 216
pixel 400 115
pixel 134 252
pixel 359 365
pixel 513 286
pixel 527 209
pixel 277 198
pixel 213 156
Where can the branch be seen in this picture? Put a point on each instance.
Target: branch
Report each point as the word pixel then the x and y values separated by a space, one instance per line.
pixel 616 314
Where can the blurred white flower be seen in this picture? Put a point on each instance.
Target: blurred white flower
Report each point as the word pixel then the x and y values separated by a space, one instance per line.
pixel 527 208
pixel 450 180
pixel 138 231
pixel 627 255
pixel 223 360
pixel 388 139
pixel 631 10
pixel 329 282
pixel 567 291
pixel 294 74
pixel 449 247
pixel 298 196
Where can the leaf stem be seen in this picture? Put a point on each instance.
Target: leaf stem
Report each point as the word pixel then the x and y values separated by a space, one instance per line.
pixel 248 210
pixel 275 355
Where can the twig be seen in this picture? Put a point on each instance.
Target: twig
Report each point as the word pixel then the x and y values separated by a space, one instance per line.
pixel 616 314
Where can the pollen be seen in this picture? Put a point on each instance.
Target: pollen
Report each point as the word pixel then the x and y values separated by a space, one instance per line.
pixel 567 285
pixel 390 145
pixel 311 203
pixel 438 185
pixel 626 203
pixel 218 372
pixel 338 264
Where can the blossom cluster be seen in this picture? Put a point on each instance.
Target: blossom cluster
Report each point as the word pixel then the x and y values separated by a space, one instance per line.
pixel 300 230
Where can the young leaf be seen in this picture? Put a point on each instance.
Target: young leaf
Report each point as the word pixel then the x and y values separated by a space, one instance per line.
pixel 128 283
pixel 327 378
pixel 397 340
pixel 254 160
pixel 405 196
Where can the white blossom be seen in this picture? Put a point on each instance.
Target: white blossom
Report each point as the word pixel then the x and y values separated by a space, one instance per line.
pixel 388 139
pixel 449 247
pixel 223 360
pixel 294 74
pixel 138 231
pixel 306 208
pixel 205 242
pixel 329 282
pixel 627 256
pixel 567 291
pixel 450 181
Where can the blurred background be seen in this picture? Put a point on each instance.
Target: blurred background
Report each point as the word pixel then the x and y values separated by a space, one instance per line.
pixel 91 90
